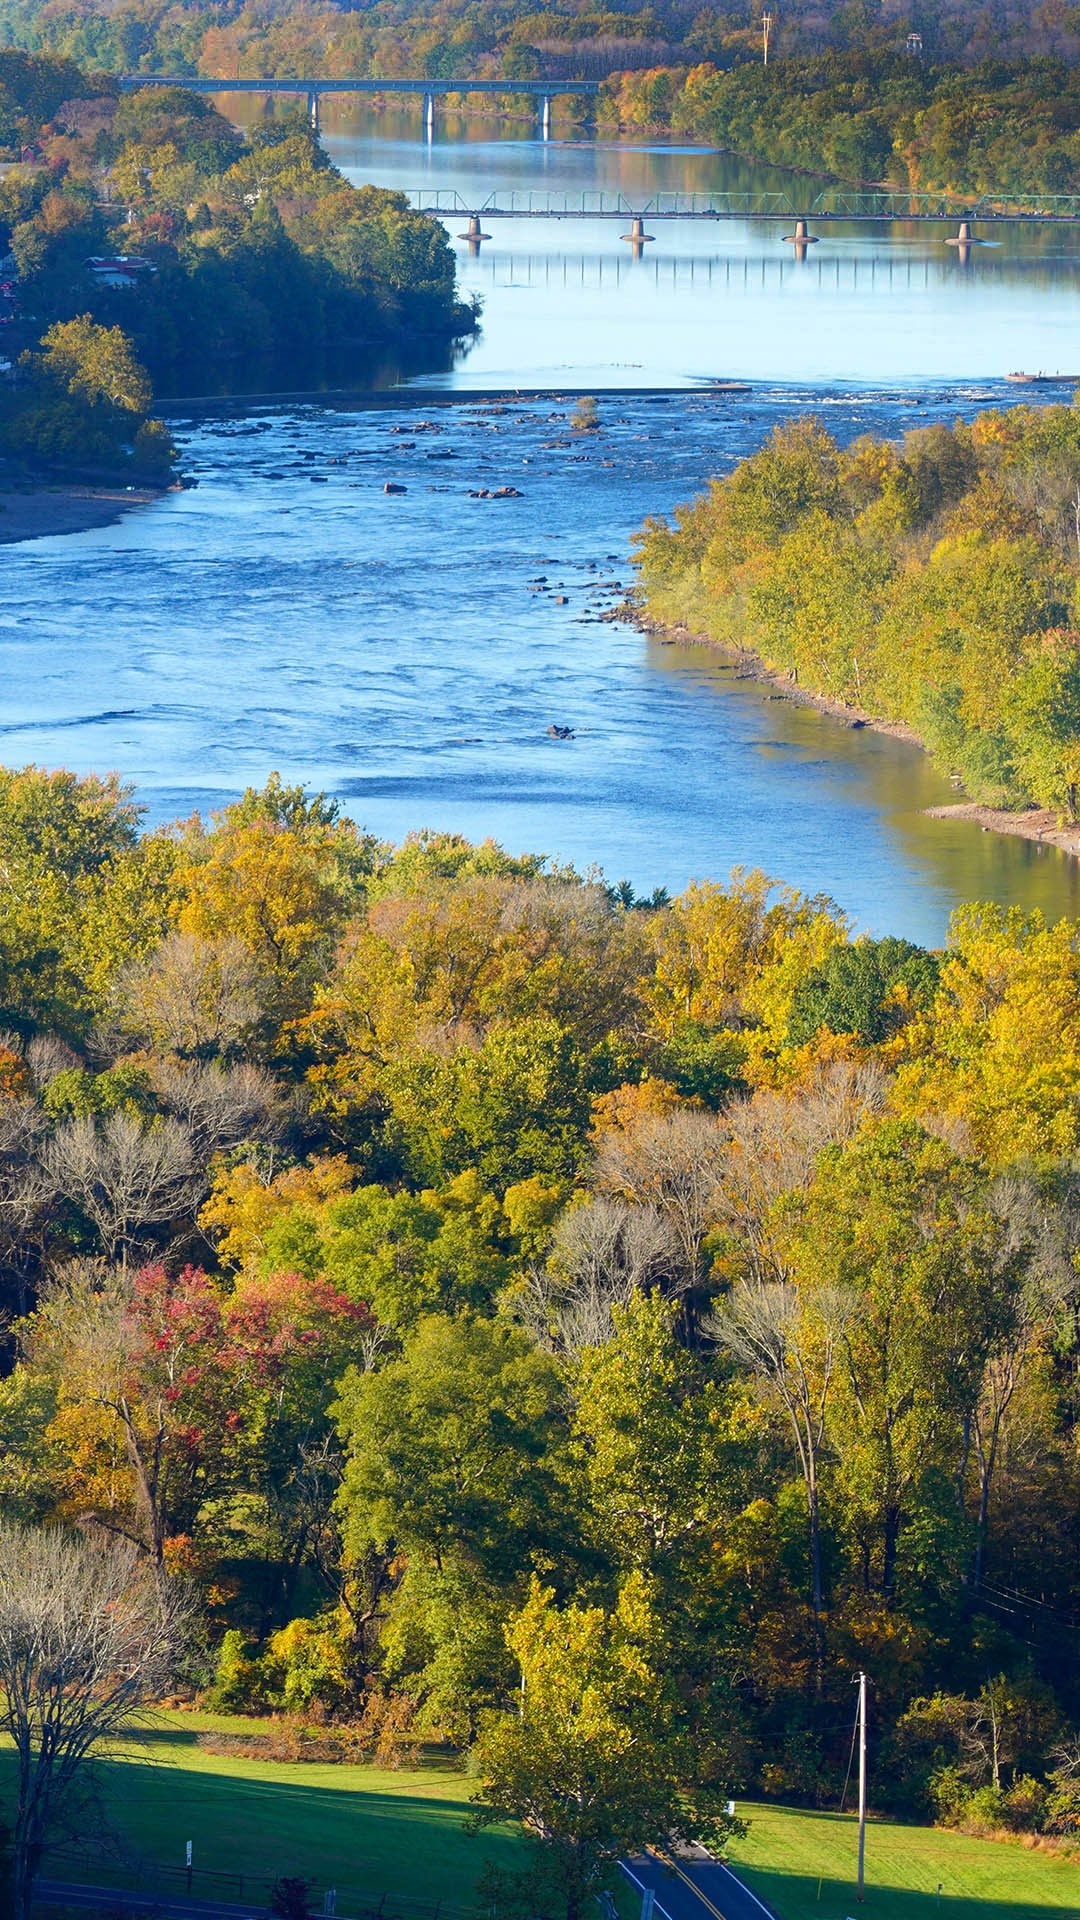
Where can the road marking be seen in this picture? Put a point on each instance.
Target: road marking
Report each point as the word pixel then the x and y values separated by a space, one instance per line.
pixel 749 1892
pixel 732 1875
pixel 640 1884
pixel 686 1880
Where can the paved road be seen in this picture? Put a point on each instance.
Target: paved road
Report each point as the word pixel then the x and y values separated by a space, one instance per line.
pixel 696 1888
pixel 69 1893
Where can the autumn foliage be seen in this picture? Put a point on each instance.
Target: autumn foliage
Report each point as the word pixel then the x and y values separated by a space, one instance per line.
pixel 453 1269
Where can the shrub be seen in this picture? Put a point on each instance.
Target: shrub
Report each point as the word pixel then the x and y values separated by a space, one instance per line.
pixel 238 1685
pixel 290 1899
pixel 306 1665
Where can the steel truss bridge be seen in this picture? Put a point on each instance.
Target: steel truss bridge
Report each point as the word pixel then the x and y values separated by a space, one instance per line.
pixel 831 203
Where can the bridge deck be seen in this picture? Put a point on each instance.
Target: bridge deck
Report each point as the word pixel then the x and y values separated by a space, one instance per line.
pixel 541 89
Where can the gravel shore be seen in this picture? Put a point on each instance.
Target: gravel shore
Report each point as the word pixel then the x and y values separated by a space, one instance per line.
pixel 37 512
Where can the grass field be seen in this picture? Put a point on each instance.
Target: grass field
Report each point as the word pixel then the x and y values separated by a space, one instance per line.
pixel 788 1852
pixel 368 1832
pixel 358 1829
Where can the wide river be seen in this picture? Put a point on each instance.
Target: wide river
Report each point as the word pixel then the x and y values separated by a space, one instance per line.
pixel 408 652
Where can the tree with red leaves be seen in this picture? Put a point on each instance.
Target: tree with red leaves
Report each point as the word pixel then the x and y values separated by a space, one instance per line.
pixel 173 1393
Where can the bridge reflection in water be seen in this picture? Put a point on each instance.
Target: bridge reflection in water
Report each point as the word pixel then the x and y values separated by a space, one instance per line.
pixel 597 270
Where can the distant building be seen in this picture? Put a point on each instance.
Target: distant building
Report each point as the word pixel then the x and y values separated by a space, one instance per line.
pixel 913 46
pixel 119 270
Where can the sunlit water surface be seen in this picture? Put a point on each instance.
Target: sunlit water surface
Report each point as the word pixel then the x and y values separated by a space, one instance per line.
pixel 408 653
pixel 567 301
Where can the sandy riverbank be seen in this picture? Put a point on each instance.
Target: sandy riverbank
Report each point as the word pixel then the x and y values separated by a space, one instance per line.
pixel 1032 823
pixel 1029 823
pixel 41 511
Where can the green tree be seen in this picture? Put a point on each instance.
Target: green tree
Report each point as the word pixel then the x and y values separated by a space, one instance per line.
pixel 655 1439
pixel 867 989
pixel 1041 711
pixel 596 1762
pixel 901 1231
pixel 451 1470
pixel 449 1447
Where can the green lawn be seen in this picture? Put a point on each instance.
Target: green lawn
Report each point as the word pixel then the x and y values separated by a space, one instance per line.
pixel 787 1853
pixel 368 1832
pixel 358 1829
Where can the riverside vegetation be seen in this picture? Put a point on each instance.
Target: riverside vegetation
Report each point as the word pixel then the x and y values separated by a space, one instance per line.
pixel 256 265
pixel 1000 128
pixel 992 107
pixel 930 582
pixel 475 1291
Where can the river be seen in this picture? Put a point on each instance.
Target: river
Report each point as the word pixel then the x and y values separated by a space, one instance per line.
pixel 567 301
pixel 408 652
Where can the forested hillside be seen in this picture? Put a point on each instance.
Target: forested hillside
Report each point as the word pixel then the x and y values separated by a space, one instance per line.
pixel 448 38
pixel 152 249
pixel 931 581
pixel 989 106
pixel 998 128
pixel 457 1270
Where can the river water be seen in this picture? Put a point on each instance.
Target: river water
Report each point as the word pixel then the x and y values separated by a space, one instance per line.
pixel 566 300
pixel 408 652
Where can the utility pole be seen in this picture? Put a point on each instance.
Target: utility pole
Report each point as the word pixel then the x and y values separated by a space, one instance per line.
pixel 766 34
pixel 862 1783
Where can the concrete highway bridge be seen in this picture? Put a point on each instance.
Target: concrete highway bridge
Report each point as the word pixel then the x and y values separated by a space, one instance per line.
pixel 315 90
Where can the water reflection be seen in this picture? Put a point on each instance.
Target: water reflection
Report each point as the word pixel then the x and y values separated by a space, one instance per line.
pixel 570 299
pixel 501 263
pixel 872 302
pixel 804 751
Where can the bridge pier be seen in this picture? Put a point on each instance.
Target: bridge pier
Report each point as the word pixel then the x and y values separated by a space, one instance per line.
pixel 637 235
pixel 802 236
pixel 474 235
pixel 545 117
pixel 429 115
pixel 964 240
pixel 313 112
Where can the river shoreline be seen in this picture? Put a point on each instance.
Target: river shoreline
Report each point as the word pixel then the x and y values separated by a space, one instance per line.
pixel 1037 824
pixel 751 666
pixel 41 512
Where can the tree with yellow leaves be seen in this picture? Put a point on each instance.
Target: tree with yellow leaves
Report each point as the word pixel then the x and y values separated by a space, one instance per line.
pixel 998 1049
pixel 598 1763
pixel 280 872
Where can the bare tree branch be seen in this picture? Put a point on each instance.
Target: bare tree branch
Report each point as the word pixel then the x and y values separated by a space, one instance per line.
pixel 86 1637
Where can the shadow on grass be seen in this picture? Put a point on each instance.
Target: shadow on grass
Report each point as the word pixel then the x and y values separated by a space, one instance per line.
pixel 913 1872
pixel 408 1843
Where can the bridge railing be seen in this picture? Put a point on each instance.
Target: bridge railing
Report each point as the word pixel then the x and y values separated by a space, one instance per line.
pixel 838 202
pixel 834 202
pixel 605 204
pixel 321 85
